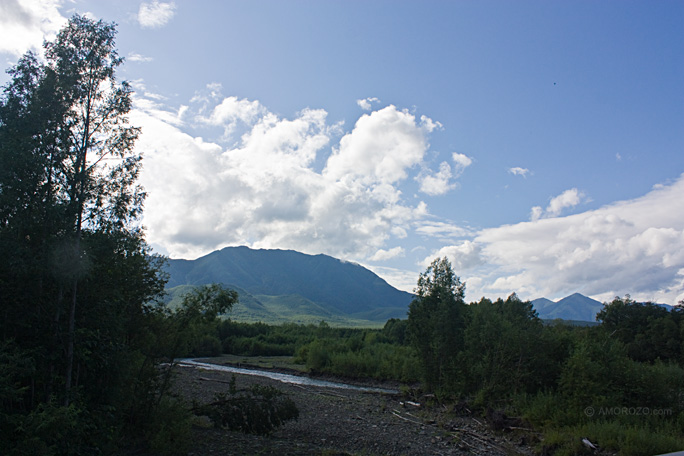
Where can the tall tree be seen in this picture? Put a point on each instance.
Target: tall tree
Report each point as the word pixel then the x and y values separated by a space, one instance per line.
pixel 98 164
pixel 501 352
pixel 436 324
pixel 77 279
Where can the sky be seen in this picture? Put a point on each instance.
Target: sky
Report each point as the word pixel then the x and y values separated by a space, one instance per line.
pixel 539 145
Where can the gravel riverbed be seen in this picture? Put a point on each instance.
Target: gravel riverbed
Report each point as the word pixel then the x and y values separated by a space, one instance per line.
pixel 344 422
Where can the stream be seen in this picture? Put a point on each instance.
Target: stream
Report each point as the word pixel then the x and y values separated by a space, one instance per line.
pixel 285 378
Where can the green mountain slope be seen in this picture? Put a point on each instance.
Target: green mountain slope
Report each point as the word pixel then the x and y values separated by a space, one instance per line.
pixel 284 285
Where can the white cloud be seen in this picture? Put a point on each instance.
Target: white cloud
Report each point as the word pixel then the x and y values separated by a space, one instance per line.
pixel 634 247
pixel 568 199
pixel 155 14
pixel 517 171
pixel 536 213
pixel 135 57
pixel 264 191
pixel 436 184
pixel 25 24
pixel 463 256
pixel 398 278
pixel 233 111
pixel 367 103
pixel 383 255
pixel 442 230
pixel 440 183
pixel 461 162
pixel 381 148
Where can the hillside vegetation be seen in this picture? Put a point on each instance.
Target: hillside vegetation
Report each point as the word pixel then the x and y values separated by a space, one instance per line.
pixel 287 286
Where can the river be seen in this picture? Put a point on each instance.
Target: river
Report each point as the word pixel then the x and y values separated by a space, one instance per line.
pixel 285 378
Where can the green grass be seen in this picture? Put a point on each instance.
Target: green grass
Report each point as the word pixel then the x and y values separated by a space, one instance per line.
pixel 615 437
pixel 276 310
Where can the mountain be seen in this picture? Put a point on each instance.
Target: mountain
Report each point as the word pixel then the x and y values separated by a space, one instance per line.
pixel 284 285
pixel 574 307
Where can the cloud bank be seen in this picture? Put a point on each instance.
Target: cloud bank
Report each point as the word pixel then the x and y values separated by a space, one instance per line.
pixel 270 182
pixel 24 24
pixel 634 247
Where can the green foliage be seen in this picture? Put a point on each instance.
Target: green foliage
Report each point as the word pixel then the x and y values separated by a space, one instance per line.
pixel 169 432
pixel 436 323
pixel 258 410
pixel 193 324
pixel 614 437
pixel 649 331
pixel 208 346
pixel 501 348
pixel 50 429
pixel 81 334
pixel 361 354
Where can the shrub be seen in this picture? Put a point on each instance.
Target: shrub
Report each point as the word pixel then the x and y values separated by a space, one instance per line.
pixel 208 346
pixel 258 410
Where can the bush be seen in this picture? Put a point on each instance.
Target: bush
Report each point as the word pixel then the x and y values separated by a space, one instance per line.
pixel 208 346
pixel 169 432
pixel 257 411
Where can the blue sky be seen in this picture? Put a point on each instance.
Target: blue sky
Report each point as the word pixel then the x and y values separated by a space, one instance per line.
pixel 538 144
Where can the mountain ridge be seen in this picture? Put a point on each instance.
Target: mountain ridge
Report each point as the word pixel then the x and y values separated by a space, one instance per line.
pixel 325 285
pixel 575 307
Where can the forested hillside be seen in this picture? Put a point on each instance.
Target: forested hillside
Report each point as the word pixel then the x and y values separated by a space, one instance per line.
pixel 279 279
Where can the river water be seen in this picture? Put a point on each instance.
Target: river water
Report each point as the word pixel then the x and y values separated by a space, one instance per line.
pixel 285 378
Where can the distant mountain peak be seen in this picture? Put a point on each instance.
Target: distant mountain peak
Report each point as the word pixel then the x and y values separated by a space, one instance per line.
pixel 574 307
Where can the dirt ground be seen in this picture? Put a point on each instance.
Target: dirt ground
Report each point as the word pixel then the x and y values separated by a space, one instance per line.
pixel 344 422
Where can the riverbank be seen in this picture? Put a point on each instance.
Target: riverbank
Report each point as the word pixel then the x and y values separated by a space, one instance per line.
pixel 344 422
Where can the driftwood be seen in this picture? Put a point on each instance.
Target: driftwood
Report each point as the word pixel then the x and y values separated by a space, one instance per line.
pixel 206 379
pixel 330 393
pixel 396 413
pixel 480 438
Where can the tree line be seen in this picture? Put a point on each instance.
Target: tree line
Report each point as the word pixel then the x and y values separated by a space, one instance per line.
pixel 83 332
pixel 618 383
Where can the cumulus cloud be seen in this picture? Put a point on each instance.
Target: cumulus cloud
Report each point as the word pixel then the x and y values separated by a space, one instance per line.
pixel 438 183
pixel 25 24
pixel 381 148
pixel 461 162
pixel 155 14
pixel 517 171
pixel 367 103
pixel 264 190
pixel 383 255
pixel 463 256
pixel 634 247
pixel 233 111
pixel 567 199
